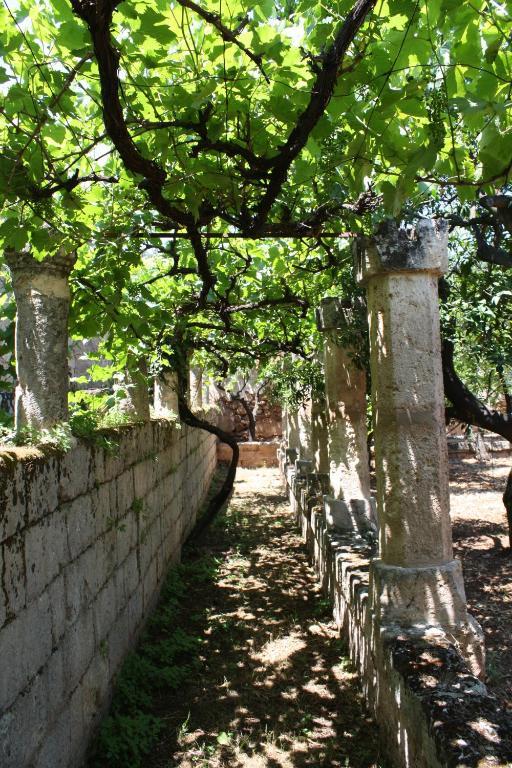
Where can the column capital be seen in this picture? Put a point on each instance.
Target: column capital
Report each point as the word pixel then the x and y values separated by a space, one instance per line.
pixel 333 313
pixel 22 263
pixel 395 248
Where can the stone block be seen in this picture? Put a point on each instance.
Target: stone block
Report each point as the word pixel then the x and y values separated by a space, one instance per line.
pixel 13 574
pixel 125 492
pixel 25 645
pixel 75 473
pixel 46 552
pixel 80 584
pixel 144 474
pixel 131 573
pixel 95 686
pixel 136 608
pixel 130 446
pixel 56 748
pixel 163 463
pixel 150 583
pixel 339 515
pixel 100 504
pixel 168 490
pixel 77 735
pixel 105 609
pixel 113 511
pixel 106 556
pixel 57 599
pixel 172 551
pixel 125 532
pixel 175 452
pixel 113 466
pixel 119 641
pixel 3 601
pixel 12 497
pixel 80 523
pixel 120 587
pixel 22 727
pixel 97 465
pixel 78 649
pixel 54 681
pixel 144 548
pixel 41 486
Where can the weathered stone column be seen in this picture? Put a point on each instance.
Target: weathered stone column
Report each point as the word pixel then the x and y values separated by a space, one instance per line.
pixel 345 388
pixel 319 435
pixel 196 388
pixel 416 580
pixel 43 298
pixel 305 436
pixel 166 394
pixel 292 428
pixel 134 383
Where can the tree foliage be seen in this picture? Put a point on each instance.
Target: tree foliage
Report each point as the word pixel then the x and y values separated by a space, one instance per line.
pixel 256 123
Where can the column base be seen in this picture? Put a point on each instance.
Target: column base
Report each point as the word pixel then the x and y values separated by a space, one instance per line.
pixel 428 597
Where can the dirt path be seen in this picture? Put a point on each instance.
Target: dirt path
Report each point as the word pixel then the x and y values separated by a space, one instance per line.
pixel 273 689
pixel 481 542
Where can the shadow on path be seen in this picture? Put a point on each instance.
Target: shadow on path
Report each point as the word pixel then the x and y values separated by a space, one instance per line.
pixel 273 689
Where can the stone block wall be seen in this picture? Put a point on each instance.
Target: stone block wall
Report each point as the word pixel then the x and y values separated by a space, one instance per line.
pixel 86 538
pixel 252 455
pixel 432 712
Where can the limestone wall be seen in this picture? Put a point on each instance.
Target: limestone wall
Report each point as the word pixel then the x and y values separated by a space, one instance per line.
pixel 85 541
pixel 252 455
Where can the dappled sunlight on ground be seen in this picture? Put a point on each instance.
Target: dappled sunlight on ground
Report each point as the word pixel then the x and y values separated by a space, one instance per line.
pixel 274 689
pixel 481 542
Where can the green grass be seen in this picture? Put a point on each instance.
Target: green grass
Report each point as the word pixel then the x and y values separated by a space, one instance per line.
pixel 165 659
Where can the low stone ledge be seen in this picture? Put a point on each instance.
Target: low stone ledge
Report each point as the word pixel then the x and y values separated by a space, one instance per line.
pixel 432 712
pixel 462 446
pixel 463 720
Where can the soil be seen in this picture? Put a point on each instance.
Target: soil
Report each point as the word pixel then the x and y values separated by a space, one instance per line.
pixel 275 689
pixel 481 541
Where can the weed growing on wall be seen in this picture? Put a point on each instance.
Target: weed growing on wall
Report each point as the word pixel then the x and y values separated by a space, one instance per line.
pixel 166 657
pixel 59 437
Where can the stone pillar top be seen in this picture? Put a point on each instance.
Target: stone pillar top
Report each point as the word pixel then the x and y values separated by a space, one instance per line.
pixel 395 248
pixel 59 264
pixel 333 313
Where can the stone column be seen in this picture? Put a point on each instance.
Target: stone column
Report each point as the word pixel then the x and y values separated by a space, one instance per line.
pixel 345 386
pixel 134 383
pixel 41 289
pixel 196 388
pixel 416 581
pixel 319 435
pixel 166 394
pixel 305 436
pixel 292 428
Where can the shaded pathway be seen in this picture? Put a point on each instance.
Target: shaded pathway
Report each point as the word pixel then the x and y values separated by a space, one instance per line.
pixel 273 689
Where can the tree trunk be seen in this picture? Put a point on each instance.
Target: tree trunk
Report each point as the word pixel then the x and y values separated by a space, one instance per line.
pixel 217 502
pixel 507 501
pixel 469 409
pixel 250 416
